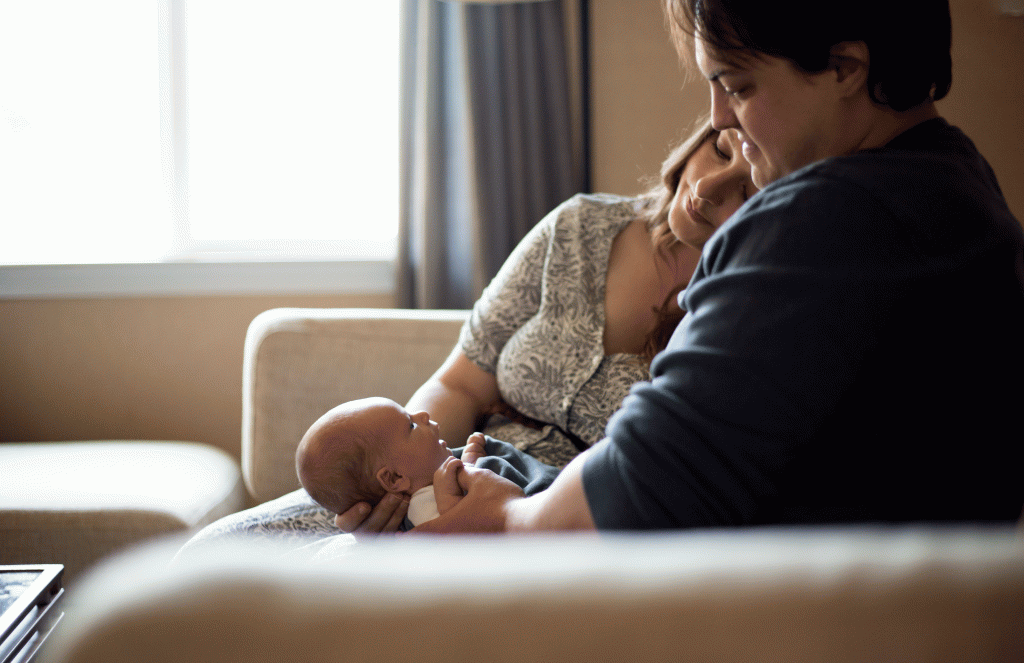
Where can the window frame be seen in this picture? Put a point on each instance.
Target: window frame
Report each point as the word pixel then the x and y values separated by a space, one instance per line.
pixel 172 279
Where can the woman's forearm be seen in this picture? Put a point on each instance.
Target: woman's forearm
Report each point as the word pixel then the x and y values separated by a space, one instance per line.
pixel 455 397
pixel 495 504
pixel 562 507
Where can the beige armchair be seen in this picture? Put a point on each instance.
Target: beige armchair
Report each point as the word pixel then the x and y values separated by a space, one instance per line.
pixel 299 363
pixel 903 594
pixel 74 503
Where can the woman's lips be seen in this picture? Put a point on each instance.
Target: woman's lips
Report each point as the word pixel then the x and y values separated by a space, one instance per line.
pixel 694 214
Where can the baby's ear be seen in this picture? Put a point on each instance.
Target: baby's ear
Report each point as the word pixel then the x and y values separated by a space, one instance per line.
pixel 392 481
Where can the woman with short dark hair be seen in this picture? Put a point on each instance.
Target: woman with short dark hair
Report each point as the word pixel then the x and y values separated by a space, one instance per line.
pixel 852 351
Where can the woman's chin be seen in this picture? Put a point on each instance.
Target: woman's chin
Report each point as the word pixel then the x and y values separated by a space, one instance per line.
pixel 693 236
pixel 762 174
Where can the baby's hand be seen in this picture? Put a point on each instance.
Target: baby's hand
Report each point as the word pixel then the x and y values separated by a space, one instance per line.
pixel 446 484
pixel 474 449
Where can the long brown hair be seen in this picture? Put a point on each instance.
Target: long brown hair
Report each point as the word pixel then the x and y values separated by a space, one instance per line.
pixel 661 192
pixel 655 211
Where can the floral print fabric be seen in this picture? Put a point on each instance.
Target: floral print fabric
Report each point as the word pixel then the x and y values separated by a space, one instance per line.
pixel 539 328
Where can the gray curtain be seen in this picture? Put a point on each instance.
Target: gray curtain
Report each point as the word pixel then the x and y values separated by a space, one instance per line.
pixel 486 141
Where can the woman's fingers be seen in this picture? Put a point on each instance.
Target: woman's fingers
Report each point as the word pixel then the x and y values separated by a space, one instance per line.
pixel 385 517
pixel 395 520
pixel 446 479
pixel 447 492
pixel 353 518
pixel 483 508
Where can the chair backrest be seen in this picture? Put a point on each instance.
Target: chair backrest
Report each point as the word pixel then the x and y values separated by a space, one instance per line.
pixel 299 363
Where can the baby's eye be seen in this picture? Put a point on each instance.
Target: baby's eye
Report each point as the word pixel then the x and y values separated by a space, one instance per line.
pixel 721 155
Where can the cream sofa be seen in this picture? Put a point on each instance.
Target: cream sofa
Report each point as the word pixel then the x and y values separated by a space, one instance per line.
pixel 855 594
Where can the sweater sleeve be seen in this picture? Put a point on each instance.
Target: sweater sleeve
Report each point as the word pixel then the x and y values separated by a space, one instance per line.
pixel 780 313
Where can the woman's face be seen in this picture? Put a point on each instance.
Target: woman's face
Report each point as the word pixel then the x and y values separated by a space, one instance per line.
pixel 786 119
pixel 713 185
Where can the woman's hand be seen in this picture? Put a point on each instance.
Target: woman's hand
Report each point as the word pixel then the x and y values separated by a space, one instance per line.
pixel 482 509
pixel 385 517
pixel 495 504
pixel 447 491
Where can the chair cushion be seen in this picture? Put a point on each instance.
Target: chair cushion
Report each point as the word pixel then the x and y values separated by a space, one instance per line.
pixel 72 503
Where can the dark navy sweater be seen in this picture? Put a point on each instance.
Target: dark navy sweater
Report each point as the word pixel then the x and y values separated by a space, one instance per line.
pixel 853 352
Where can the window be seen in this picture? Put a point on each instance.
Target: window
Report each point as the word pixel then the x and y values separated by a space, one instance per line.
pixel 80 137
pixel 137 131
pixel 293 124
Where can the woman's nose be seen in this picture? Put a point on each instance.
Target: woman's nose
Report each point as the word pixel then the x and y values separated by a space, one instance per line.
pixel 722 116
pixel 720 185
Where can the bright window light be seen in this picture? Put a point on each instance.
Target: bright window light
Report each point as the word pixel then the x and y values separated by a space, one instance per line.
pixel 291 141
pixel 80 169
pixel 293 120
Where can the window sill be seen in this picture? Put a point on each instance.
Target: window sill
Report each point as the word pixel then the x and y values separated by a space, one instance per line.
pixel 173 279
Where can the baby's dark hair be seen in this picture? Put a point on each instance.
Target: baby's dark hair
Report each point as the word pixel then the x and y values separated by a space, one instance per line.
pixel 338 481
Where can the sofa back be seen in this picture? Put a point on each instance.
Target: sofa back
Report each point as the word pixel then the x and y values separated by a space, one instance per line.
pixel 826 595
pixel 299 363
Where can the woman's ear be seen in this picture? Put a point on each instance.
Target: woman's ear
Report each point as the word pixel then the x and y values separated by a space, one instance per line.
pixel 851 61
pixel 392 481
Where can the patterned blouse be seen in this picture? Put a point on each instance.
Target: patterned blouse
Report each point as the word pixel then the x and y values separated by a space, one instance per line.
pixel 539 328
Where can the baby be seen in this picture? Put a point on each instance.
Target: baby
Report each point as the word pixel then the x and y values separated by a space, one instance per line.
pixel 361 450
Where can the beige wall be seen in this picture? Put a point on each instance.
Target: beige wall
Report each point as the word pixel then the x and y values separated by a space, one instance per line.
pixel 639 103
pixel 170 368
pixel 988 81
pixel 160 368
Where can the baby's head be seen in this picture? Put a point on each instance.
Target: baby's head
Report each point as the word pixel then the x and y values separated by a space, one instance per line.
pixel 363 449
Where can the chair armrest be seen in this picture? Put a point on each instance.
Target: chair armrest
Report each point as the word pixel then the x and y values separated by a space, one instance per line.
pixel 299 363
pixel 774 595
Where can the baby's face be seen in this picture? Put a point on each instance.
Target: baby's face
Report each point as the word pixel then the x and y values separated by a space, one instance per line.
pixel 414 442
